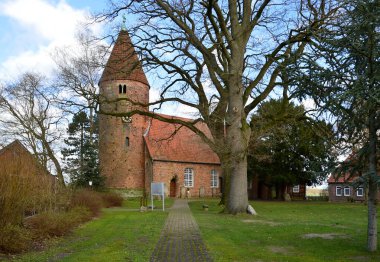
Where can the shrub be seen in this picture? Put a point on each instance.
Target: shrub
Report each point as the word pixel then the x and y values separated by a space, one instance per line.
pixel 88 199
pixel 111 199
pixel 48 224
pixel 23 192
pixel 14 239
pixel 79 215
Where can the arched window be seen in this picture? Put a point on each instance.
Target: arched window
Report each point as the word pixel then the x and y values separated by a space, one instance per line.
pixel 120 89
pixel 189 177
pixel 214 178
pixel 124 89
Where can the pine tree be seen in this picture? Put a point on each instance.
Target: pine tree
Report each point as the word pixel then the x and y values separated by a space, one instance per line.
pixel 81 154
pixel 342 74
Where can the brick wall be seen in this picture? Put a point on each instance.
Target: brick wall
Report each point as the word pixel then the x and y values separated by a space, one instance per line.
pixel 122 164
pixel 165 171
pixel 352 197
pixel 15 159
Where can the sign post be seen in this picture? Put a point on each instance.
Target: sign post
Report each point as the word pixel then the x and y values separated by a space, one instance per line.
pixel 158 189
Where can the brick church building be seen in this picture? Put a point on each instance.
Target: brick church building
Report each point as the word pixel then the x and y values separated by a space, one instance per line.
pixel 139 150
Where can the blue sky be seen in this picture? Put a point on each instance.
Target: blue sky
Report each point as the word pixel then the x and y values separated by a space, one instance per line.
pixel 31 29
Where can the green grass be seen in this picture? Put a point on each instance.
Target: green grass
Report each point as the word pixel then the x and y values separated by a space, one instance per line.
pixel 277 232
pixel 119 234
pixel 134 203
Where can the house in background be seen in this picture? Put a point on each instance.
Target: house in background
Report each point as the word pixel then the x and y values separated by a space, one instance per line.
pixel 260 187
pixel 341 190
pixel 16 159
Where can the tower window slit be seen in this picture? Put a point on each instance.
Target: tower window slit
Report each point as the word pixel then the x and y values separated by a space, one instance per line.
pixel 127 141
pixel 124 89
pixel 120 89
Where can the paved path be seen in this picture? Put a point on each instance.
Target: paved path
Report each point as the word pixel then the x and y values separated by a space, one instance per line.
pixel 180 239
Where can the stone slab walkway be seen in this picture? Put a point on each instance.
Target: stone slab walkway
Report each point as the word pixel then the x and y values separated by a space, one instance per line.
pixel 180 239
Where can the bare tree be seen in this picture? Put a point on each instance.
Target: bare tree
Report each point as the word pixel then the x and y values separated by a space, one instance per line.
pixel 28 114
pixel 78 72
pixel 221 58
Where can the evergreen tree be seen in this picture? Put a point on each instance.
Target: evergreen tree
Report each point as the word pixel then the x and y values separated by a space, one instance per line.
pixel 288 147
pixel 342 74
pixel 81 154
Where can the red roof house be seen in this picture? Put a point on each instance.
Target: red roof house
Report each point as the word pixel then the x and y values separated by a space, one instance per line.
pixel 341 189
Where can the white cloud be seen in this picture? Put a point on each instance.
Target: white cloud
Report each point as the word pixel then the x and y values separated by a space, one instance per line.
pixel 48 25
pixel 39 61
pixel 309 104
pixel 154 94
pixel 52 22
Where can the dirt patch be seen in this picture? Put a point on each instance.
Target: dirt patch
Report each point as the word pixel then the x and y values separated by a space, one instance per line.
pixel 60 256
pixel 270 223
pixel 360 258
pixel 143 239
pixel 279 250
pixel 325 236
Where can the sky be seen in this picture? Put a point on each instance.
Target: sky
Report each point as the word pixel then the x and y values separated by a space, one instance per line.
pixel 31 29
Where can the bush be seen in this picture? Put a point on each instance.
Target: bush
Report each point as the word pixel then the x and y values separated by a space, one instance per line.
pixel 49 224
pixel 111 199
pixel 14 239
pixel 23 192
pixel 88 199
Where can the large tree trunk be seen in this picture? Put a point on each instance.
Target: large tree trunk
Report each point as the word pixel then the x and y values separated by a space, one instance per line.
pixel 238 133
pixel 238 195
pixel 225 187
pixel 372 186
pixel 372 213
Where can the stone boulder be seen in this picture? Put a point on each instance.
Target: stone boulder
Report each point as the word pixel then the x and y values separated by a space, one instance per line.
pixel 251 210
pixel 287 197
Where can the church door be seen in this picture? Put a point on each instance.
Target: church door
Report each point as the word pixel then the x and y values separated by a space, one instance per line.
pixel 173 187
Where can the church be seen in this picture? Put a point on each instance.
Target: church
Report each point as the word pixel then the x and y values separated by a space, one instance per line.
pixel 135 151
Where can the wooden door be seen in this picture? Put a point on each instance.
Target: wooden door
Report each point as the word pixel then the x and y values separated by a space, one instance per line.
pixel 173 188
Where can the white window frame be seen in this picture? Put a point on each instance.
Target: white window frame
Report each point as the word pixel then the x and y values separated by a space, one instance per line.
pixel 336 191
pixel 361 189
pixel 296 189
pixel 349 191
pixel 214 179
pixel 188 177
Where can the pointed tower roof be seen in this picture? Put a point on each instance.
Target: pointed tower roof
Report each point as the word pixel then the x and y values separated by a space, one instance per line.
pixel 123 63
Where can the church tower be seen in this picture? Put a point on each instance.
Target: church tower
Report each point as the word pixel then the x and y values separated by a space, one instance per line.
pixel 121 145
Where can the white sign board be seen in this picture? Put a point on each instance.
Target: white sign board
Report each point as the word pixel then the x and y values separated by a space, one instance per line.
pixel 158 189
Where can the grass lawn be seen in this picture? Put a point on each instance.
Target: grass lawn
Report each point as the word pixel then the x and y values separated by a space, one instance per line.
pixel 284 232
pixel 119 234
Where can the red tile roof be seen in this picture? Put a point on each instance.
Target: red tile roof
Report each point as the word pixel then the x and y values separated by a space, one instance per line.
pixel 123 63
pixel 173 142
pixel 16 145
pixel 346 178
